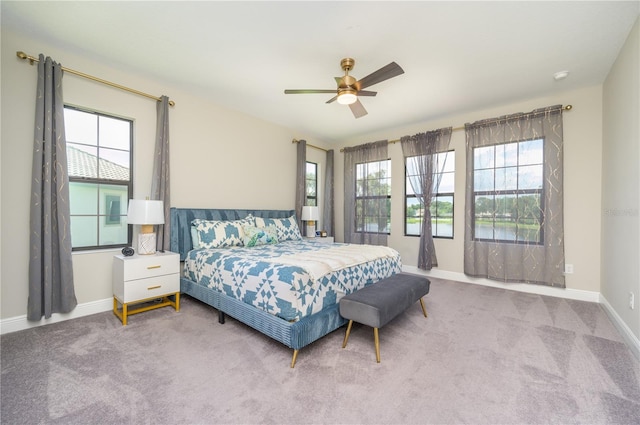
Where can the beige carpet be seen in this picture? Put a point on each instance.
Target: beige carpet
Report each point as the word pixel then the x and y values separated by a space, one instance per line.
pixel 483 356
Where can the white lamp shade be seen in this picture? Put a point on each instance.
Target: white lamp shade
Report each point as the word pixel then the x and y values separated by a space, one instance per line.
pixel 310 213
pixel 145 211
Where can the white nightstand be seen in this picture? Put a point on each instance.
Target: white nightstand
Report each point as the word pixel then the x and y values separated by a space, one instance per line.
pixel 141 278
pixel 326 239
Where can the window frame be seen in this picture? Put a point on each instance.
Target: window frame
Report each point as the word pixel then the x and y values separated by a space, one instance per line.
pixel 434 198
pixel 307 197
pixel 540 192
pixel 372 197
pixel 104 182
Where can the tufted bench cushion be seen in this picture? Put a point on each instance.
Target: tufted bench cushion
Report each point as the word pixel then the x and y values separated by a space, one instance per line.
pixel 379 303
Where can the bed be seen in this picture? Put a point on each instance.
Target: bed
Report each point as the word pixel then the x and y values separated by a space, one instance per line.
pixel 254 266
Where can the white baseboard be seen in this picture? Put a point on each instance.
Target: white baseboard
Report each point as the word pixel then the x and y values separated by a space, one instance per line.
pixel 632 341
pixel 573 294
pixel 19 323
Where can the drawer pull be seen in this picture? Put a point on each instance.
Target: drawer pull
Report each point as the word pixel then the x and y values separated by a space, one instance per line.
pixel 153 267
pixel 151 288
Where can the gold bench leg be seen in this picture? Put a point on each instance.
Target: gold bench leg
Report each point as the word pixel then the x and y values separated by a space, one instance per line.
pixel 293 360
pixel 376 341
pixel 424 310
pixel 346 336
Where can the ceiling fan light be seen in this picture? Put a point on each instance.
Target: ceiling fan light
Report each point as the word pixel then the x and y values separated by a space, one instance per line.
pixel 347 97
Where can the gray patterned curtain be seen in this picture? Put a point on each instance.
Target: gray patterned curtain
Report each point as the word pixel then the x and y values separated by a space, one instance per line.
pixel 528 255
pixel 51 288
pixel 160 183
pixel 301 180
pixel 329 209
pixel 421 149
pixel 356 232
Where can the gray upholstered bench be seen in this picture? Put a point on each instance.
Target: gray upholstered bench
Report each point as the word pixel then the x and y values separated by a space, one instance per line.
pixel 379 303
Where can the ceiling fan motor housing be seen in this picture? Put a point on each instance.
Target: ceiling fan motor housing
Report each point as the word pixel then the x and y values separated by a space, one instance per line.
pixel 347 64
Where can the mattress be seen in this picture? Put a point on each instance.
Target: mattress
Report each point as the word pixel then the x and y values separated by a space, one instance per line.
pixel 291 279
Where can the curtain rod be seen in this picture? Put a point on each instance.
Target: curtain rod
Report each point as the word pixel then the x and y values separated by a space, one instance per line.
pixel 310 145
pixel 32 59
pixel 565 108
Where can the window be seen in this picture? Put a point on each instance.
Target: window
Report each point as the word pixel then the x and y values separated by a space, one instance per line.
pixel 508 192
pixel 373 197
pixel 441 204
pixel 312 184
pixel 99 158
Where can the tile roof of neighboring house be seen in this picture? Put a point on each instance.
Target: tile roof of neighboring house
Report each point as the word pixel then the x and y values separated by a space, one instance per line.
pixel 83 164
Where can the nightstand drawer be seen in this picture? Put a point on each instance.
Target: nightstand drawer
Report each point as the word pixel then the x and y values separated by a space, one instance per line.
pixel 142 289
pixel 141 267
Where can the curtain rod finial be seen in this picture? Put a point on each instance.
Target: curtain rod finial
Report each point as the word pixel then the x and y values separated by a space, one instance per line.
pixel 568 107
pixel 22 55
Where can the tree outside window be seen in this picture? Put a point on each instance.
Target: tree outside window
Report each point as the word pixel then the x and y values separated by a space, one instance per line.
pixel 373 197
pixel 441 203
pixel 508 192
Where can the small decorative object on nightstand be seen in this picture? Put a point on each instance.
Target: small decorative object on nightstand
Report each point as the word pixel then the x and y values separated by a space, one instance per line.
pixel 143 278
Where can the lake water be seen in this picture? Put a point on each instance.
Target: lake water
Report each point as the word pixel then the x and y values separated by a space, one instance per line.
pixel 483 231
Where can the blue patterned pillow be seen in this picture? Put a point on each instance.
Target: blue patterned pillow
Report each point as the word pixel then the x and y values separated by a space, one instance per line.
pixel 286 228
pixel 221 234
pixel 255 236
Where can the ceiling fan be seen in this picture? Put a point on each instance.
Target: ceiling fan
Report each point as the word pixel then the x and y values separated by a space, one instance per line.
pixel 349 89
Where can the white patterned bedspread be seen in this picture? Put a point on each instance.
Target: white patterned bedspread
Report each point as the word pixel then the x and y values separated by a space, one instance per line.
pixel 291 279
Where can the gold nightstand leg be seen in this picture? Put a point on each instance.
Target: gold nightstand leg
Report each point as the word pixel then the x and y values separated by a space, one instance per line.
pixel 122 315
pixel 166 301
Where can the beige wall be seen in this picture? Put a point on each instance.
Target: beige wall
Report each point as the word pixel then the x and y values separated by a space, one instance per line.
pixel 582 168
pixel 621 183
pixel 219 158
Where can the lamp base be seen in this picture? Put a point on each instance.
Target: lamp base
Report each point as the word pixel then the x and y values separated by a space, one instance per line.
pixel 311 230
pixel 146 243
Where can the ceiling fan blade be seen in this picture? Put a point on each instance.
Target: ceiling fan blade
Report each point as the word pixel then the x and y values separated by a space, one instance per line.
pixel 308 91
pixel 384 73
pixel 332 99
pixel 357 109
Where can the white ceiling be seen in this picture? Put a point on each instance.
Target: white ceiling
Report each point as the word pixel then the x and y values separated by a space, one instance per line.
pixel 457 56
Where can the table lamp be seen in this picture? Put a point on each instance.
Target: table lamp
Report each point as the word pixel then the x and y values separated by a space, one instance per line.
pixel 310 215
pixel 147 213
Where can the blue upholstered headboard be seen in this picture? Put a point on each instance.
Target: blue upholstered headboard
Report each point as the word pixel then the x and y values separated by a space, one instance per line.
pixel 181 222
